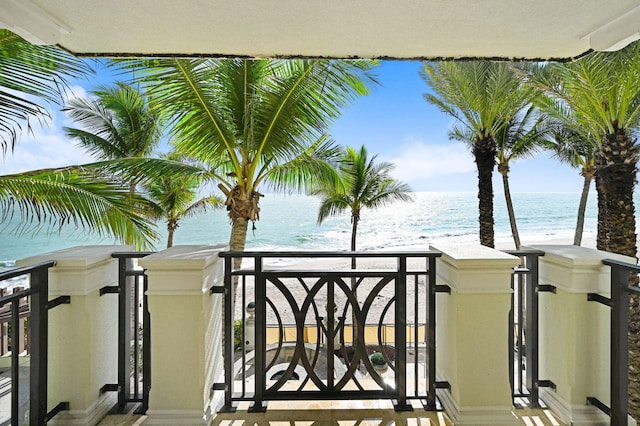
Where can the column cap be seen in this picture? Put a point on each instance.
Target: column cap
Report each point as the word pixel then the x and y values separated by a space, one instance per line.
pixel 80 270
pixel 80 257
pixel 183 257
pixel 475 268
pixel 577 269
pixel 184 270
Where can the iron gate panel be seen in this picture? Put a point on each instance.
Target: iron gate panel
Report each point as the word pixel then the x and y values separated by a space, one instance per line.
pixel 315 331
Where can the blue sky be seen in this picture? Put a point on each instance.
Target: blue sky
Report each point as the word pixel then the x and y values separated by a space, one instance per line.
pixel 393 122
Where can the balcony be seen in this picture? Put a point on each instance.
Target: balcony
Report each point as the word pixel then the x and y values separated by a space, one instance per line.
pixel 466 335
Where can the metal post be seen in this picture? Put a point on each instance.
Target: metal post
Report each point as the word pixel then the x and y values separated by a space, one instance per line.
pixel 146 347
pixel 330 333
pixel 38 328
pixel 260 342
pixel 619 345
pixel 15 364
pixel 124 332
pixel 136 337
pixel 401 335
pixel 531 301
pixel 511 340
pixel 227 323
pixel 431 334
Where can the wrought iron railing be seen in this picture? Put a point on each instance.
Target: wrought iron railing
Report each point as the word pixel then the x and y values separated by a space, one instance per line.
pixel 523 326
pixel 623 276
pixel 38 306
pixel 340 316
pixel 134 333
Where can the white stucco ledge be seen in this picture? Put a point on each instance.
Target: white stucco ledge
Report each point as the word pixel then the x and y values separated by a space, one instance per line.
pixel 81 257
pixel 80 270
pixel 577 269
pixel 475 268
pixel 184 269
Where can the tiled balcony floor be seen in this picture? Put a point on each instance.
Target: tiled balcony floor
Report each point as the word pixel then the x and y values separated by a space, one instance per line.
pixel 338 413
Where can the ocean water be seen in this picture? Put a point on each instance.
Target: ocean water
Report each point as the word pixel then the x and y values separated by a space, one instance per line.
pixel 289 222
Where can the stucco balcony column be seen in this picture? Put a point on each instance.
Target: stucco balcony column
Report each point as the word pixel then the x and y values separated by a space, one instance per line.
pixel 574 333
pixel 472 334
pixel 83 335
pixel 186 333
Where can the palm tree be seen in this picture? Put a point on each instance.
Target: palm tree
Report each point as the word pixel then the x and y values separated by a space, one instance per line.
pixel 579 151
pixel 481 96
pixel 255 122
pixel 177 198
pixel 602 89
pixel 31 79
pixel 363 184
pixel 116 123
pixel 518 138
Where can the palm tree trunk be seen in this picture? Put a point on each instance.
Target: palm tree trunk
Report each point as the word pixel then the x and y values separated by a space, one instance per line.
pixel 615 178
pixel 354 229
pixel 170 238
pixel 588 176
pixel 172 225
pixel 512 214
pixel 239 226
pixel 484 151
pixel 616 164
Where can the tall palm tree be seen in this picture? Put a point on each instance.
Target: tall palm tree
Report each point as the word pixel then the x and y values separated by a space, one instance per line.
pixel 518 138
pixel 255 122
pixel 602 89
pixel 176 197
pixel 481 96
pixel 32 78
pixel 579 151
pixel 363 184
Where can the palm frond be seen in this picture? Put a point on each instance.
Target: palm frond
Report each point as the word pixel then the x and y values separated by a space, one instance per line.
pixel 118 122
pixel 32 78
pixel 315 166
pixel 78 197
pixel 144 170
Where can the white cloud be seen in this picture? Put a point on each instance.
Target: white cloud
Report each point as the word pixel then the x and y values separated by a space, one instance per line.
pixel 420 160
pixel 46 146
pixel 73 92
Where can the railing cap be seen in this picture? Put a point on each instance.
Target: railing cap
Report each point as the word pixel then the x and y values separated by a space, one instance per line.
pixel 329 254
pixel 16 272
pixel 621 264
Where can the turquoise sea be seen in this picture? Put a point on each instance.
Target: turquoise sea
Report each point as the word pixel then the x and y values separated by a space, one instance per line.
pixel 289 222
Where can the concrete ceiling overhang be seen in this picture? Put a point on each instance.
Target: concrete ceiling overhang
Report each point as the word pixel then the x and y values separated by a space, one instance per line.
pixel 401 29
